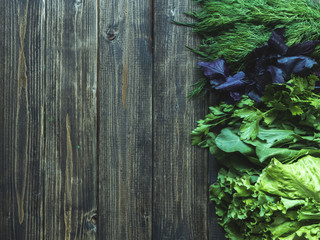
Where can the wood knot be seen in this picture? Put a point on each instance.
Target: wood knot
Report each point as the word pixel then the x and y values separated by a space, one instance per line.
pixel 78 3
pixel 111 34
pixel 91 219
pixel 94 219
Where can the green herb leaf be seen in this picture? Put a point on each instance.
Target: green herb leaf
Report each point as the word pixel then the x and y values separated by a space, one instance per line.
pixel 229 142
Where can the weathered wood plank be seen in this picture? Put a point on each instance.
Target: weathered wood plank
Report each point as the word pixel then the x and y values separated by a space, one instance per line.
pixel 5 198
pixel 21 99
pixel 125 118
pixel 69 164
pixel 4 181
pixel 180 191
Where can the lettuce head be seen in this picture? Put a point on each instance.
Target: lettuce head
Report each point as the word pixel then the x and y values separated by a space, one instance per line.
pixel 280 202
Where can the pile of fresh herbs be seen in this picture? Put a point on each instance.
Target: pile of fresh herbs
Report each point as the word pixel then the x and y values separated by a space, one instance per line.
pixel 261 59
pixel 234 28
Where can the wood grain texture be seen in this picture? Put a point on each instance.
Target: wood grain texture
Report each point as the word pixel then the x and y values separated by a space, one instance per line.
pixel 95 123
pixel 125 120
pixel 180 191
pixel 4 162
pixel 21 99
pixel 69 163
pixel 4 180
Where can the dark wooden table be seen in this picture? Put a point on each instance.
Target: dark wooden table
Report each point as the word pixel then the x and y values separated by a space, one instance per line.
pixel 95 123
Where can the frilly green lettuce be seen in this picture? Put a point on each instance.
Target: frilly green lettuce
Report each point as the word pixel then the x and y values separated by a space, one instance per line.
pixel 298 180
pixel 280 202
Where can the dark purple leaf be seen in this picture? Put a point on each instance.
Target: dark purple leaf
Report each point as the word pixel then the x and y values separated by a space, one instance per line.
pixel 276 41
pixel 306 48
pixel 217 81
pixel 215 69
pixel 253 94
pixel 276 74
pixel 233 83
pixel 260 51
pixel 261 82
pixel 280 31
pixel 236 96
pixel 259 59
pixel 296 64
pixel 260 66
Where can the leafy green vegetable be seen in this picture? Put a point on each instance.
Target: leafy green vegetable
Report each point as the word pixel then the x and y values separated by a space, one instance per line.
pixel 228 141
pixel 287 146
pixel 298 180
pixel 281 202
pixel 285 125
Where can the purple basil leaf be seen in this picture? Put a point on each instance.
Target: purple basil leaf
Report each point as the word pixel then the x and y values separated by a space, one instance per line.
pixel 235 96
pixel 259 59
pixel 280 31
pixel 305 48
pixel 216 82
pixel 276 41
pixel 254 95
pixel 260 51
pixel 296 64
pixel 233 83
pixel 260 67
pixel 262 82
pixel 215 69
pixel 276 74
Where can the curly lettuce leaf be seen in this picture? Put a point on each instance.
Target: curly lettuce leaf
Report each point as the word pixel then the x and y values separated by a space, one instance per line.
pixel 296 181
pixel 249 207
